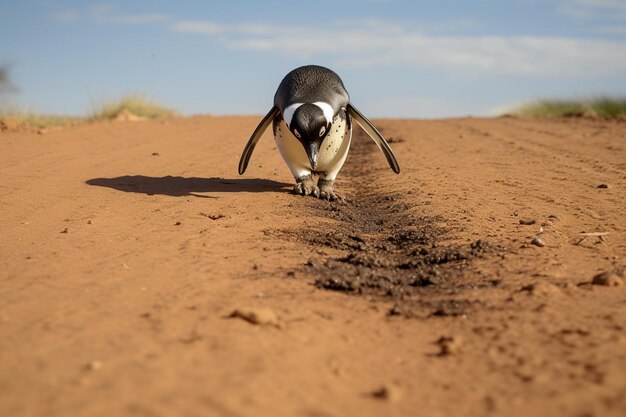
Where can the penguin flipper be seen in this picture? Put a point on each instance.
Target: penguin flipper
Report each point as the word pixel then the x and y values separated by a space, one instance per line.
pixel 376 136
pixel 258 132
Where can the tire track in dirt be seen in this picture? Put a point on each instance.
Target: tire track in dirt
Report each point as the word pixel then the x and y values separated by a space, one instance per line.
pixel 381 249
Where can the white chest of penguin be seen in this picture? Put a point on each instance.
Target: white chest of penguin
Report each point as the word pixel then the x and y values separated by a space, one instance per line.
pixel 332 153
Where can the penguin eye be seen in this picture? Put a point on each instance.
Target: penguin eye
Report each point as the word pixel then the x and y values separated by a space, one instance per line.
pixel 322 131
pixel 295 132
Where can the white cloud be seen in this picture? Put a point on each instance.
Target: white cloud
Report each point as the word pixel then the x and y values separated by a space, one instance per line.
pixel 141 19
pixel 602 4
pixel 101 12
pixel 198 27
pixel 590 9
pixel 65 15
pixel 383 43
pixel 104 13
pixel 616 30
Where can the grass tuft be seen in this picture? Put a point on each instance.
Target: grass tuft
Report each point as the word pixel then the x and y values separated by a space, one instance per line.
pixel 129 107
pixel 16 118
pixel 597 107
pixel 135 104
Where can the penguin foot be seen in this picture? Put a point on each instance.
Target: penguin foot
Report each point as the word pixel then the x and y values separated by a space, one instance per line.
pixel 326 190
pixel 306 186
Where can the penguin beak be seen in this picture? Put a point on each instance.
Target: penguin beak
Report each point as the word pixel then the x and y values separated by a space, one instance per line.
pixel 312 151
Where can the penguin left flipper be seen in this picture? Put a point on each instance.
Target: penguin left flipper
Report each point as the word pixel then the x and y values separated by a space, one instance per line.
pixel 376 136
pixel 258 132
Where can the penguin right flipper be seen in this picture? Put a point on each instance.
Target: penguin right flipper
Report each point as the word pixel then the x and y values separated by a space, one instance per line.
pixel 376 137
pixel 258 132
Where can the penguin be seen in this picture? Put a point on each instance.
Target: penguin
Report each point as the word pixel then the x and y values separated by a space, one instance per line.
pixel 312 120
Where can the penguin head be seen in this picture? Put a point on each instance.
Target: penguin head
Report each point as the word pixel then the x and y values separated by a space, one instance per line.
pixel 310 126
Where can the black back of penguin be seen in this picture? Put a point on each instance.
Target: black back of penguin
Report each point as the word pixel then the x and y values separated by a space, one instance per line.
pixel 309 84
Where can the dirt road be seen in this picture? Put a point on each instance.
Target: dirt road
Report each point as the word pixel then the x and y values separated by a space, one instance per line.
pixel 126 247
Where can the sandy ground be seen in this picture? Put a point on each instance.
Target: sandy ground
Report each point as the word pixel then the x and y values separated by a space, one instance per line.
pixel 125 247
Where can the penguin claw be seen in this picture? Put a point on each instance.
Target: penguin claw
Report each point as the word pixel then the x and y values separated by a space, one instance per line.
pixel 305 189
pixel 306 186
pixel 326 191
pixel 330 196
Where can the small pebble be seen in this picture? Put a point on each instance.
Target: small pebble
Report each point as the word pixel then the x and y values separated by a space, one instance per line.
pixel 387 392
pixel 312 264
pixel 396 310
pixel 449 345
pixel 603 186
pixel 66 230
pixel 527 222
pixel 608 279
pixel 542 288
pixel 89 222
pixel 177 224
pixel 94 365
pixel 262 316
pixel 537 242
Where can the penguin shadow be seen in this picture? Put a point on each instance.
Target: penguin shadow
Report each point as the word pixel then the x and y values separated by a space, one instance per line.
pixel 182 186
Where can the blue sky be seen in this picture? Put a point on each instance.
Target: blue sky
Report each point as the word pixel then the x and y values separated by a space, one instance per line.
pixel 397 58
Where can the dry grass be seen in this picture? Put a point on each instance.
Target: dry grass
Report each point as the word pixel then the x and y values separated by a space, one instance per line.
pixel 26 118
pixel 132 107
pixel 136 104
pixel 597 107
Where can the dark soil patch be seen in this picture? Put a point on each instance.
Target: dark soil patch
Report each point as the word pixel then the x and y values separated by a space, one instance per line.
pixel 389 253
